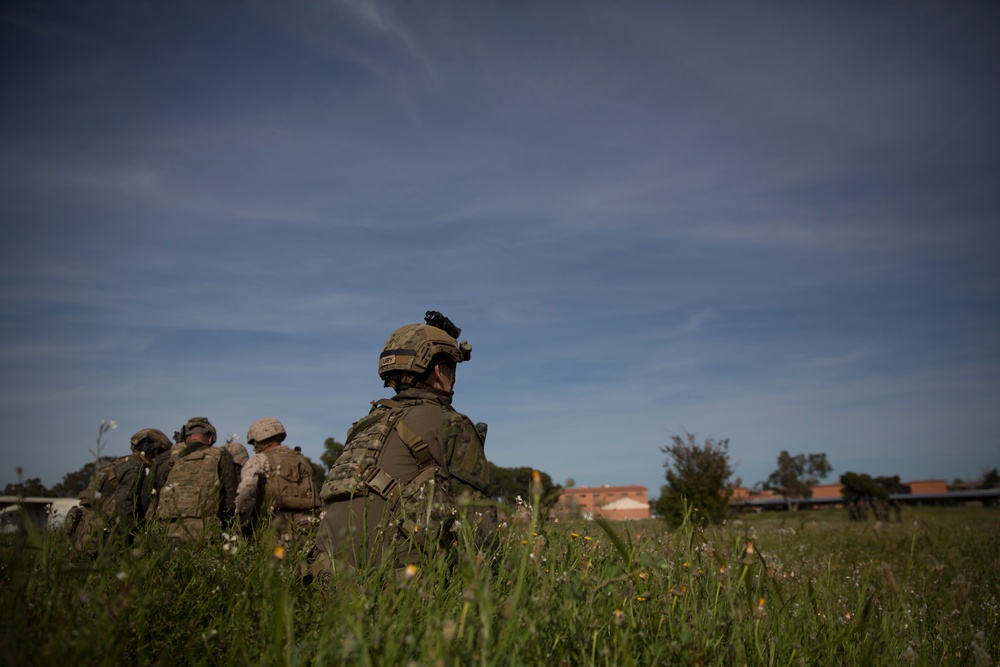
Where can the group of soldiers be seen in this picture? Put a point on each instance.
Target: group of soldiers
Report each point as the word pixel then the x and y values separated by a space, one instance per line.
pixel 195 488
pixel 412 479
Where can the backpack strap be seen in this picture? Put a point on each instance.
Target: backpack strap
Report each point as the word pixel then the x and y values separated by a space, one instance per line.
pixel 386 415
pixel 420 450
pixel 377 479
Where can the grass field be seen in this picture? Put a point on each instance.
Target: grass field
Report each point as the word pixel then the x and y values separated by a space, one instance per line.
pixel 805 588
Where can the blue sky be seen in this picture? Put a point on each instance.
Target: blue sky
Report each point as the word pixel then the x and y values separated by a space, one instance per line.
pixel 775 223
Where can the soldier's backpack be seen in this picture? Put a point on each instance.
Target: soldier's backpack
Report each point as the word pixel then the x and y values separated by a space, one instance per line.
pixel 421 505
pixel 289 483
pixel 102 504
pixel 358 471
pixel 192 489
pixel 104 493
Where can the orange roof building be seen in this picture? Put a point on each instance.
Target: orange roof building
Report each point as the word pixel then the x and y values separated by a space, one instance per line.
pixel 742 493
pixel 828 490
pixel 927 486
pixel 609 502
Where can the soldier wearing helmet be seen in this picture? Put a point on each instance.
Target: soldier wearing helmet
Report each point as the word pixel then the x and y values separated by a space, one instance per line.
pixel 238 451
pixel 149 443
pixel 193 489
pixel 413 467
pixel 110 505
pixel 276 490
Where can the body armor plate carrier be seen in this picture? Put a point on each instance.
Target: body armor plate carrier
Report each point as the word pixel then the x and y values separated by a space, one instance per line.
pixel 358 471
pixel 192 487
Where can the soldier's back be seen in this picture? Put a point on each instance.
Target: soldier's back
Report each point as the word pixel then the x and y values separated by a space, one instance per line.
pixel 189 499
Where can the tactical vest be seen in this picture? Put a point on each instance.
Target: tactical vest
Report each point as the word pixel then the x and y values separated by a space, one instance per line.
pixel 468 459
pixel 102 491
pixel 107 504
pixel 289 484
pixel 358 471
pixel 192 487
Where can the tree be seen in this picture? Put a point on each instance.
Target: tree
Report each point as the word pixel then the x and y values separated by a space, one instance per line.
pixel 506 484
pixel 890 484
pixel 796 475
pixel 697 475
pixel 862 493
pixel 331 452
pixel 29 488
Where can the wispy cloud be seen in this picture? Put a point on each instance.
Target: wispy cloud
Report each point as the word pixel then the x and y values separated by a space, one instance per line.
pixel 774 225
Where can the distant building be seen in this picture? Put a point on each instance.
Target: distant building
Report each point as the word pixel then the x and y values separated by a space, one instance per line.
pixel 42 512
pixel 835 490
pixel 743 495
pixel 609 502
pixel 925 486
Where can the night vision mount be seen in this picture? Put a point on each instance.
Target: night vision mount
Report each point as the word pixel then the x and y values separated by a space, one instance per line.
pixel 437 320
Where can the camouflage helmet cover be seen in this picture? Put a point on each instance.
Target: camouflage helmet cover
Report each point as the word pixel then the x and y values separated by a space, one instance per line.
pixel 159 439
pixel 198 422
pixel 411 348
pixel 265 428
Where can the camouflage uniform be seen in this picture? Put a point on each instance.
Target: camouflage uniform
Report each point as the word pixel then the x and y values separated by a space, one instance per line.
pixel 441 475
pixel 276 489
pixel 111 503
pixel 413 472
pixel 194 488
pixel 107 506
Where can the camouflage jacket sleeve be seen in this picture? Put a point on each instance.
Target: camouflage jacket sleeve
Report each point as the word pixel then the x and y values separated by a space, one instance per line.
pixel 153 482
pixel 142 497
pixel 248 491
pixel 130 474
pixel 91 495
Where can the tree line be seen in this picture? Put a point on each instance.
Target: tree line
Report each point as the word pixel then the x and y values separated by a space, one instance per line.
pixel 698 476
pixel 698 482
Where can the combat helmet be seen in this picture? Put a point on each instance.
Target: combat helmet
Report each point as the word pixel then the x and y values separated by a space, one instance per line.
pixel 198 422
pixel 263 429
pixel 411 348
pixel 150 442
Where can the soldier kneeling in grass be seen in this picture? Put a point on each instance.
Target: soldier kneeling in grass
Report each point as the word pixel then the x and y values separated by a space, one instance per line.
pixel 110 506
pixel 276 494
pixel 194 489
pixel 413 477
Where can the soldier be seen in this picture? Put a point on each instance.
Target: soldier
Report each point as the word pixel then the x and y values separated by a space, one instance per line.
pixel 239 453
pixel 276 487
pixel 194 487
pixel 110 504
pixel 412 467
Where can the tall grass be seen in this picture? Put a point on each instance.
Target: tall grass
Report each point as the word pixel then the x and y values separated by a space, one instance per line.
pixel 806 588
